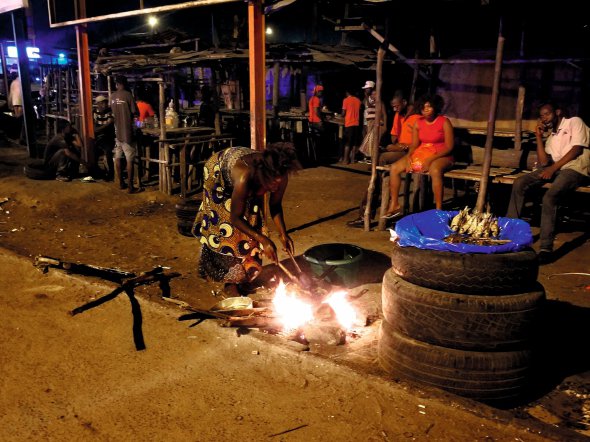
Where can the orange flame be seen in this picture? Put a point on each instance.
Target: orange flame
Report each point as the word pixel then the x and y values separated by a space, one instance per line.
pixel 292 312
pixel 344 312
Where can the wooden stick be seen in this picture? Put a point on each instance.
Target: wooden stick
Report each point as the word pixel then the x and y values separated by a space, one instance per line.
pixel 485 175
pixel 375 146
pixel 294 261
pixel 288 273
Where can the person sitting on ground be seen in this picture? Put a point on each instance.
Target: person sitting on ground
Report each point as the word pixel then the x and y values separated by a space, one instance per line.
pixel 230 219
pixel 124 110
pixel 401 138
pixel 104 132
pixel 430 152
pixel 62 153
pixel 351 107
pixel 565 162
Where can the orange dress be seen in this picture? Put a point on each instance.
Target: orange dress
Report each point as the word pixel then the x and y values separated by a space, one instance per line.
pixel 432 141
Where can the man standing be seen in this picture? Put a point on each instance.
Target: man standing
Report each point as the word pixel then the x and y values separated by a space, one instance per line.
pixel 316 127
pixel 104 131
pixel 564 161
pixel 351 107
pixel 124 111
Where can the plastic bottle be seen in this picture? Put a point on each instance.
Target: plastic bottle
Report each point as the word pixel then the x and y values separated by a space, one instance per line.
pixel 171 116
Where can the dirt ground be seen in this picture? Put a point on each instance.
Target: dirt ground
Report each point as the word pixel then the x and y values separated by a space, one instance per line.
pixel 80 377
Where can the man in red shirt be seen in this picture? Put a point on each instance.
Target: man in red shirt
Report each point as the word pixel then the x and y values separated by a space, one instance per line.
pixel 315 105
pixel 351 107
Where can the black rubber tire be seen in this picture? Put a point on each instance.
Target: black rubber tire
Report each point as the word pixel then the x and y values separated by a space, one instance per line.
pixel 485 376
pixel 186 212
pixel 185 228
pixel 35 170
pixel 467 273
pixel 465 322
pixel 187 209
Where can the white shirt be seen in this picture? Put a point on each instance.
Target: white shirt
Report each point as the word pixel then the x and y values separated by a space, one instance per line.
pixel 571 132
pixel 16 97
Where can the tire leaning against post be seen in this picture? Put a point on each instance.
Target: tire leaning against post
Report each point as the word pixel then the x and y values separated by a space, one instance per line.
pixel 186 211
pixel 35 170
pixel 492 377
pixel 467 273
pixel 458 321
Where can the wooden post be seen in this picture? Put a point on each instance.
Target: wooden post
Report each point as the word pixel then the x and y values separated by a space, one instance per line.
pixel 518 125
pixel 414 80
pixel 375 145
pixel 275 88
pixel 85 90
pixel 257 59
pixel 4 70
pixel 68 96
pixel 25 81
pixel 487 161
pixel 162 144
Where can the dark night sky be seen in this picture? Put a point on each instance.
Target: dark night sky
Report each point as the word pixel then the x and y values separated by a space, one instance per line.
pixel 459 25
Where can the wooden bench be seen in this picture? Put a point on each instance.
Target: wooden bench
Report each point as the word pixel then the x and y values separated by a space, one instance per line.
pixel 507 166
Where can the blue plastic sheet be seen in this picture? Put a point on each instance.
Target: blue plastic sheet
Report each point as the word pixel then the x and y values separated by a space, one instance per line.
pixel 426 230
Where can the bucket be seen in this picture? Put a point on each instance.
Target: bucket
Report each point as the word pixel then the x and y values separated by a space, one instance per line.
pixel 337 263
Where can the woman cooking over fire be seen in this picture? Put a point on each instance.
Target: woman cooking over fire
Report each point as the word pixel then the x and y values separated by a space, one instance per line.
pixel 230 221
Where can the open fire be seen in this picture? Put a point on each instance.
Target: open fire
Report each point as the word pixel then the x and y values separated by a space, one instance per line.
pixel 294 310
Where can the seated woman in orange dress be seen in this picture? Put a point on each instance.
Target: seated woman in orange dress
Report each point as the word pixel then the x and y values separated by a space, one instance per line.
pixel 430 152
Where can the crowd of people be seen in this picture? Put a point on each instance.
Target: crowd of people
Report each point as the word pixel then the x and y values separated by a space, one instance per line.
pixel 422 141
pixel 230 222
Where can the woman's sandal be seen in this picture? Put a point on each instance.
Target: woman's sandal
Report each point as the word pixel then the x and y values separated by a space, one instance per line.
pixel 391 215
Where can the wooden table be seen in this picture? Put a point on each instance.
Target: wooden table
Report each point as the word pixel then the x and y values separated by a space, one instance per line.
pixel 170 137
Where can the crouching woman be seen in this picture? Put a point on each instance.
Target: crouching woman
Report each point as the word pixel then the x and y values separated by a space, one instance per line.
pixel 230 221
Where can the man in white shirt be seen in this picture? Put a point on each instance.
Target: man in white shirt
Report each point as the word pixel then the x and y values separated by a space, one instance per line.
pixel 564 161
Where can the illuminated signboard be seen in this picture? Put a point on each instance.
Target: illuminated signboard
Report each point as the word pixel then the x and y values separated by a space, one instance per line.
pixel 32 52
pixel 11 5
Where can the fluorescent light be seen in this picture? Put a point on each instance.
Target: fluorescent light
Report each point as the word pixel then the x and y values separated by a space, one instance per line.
pixel 32 52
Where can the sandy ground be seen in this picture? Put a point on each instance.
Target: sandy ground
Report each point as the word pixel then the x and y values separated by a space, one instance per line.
pixel 203 382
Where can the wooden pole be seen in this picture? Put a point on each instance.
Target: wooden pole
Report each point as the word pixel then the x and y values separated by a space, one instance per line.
pixel 487 161
pixel 518 124
pixel 84 88
pixel 414 82
pixel 144 11
pixel 375 144
pixel 4 70
pixel 257 63
pixel 391 47
pixel 276 72
pixel 18 30
pixel 162 143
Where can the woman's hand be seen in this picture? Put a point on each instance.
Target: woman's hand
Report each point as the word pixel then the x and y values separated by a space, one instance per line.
pixel 426 165
pixel 269 249
pixel 288 244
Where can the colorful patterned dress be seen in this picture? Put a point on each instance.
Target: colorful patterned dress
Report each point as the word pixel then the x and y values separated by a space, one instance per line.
pixel 227 253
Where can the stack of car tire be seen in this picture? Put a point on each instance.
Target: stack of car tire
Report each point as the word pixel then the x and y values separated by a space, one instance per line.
pixel 465 323
pixel 186 211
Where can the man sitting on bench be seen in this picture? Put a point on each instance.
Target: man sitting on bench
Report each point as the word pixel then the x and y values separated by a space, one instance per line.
pixel 564 161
